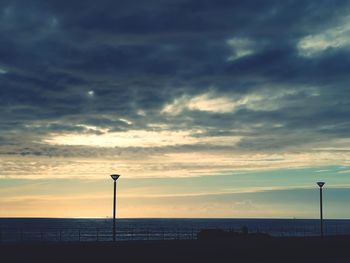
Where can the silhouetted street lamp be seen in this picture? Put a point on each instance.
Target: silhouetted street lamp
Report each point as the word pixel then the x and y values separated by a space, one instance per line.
pixel 115 178
pixel 321 184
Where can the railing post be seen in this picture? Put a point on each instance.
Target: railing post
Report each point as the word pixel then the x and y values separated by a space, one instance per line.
pixel 97 232
pixel 79 234
pixel 60 235
pixel 21 234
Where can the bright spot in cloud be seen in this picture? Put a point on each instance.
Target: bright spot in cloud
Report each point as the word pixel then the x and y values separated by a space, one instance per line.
pixel 241 47
pixel 91 93
pixel 126 121
pixel 138 138
pixel 141 113
pixel 92 128
pixel 2 71
pixel 334 37
pixel 262 100
pixel 204 102
pixel 54 22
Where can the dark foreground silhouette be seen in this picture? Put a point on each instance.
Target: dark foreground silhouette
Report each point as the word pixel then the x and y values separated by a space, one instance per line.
pixel 249 250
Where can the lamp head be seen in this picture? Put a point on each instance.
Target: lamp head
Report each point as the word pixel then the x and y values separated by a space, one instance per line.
pixel 115 176
pixel 320 184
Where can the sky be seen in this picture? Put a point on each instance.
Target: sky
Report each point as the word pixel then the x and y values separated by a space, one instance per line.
pixel 229 109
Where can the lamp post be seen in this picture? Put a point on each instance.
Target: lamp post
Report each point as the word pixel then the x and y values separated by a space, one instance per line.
pixel 115 178
pixel 321 184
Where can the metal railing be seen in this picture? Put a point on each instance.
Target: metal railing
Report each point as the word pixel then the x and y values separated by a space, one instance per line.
pixel 91 235
pixel 129 234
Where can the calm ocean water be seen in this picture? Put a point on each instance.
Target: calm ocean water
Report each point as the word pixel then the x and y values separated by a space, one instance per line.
pixel 45 229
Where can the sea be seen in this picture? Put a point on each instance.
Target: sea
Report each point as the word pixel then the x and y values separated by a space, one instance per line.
pixel 88 229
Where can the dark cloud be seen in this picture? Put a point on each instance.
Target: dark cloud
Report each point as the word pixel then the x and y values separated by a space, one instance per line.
pixel 67 64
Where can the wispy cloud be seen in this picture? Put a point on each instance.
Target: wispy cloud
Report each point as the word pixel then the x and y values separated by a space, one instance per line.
pixel 335 37
pixel 241 47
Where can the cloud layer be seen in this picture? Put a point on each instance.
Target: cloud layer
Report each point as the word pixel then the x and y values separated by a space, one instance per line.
pixel 154 84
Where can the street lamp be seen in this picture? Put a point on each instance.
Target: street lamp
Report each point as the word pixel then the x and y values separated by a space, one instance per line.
pixel 115 178
pixel 321 184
